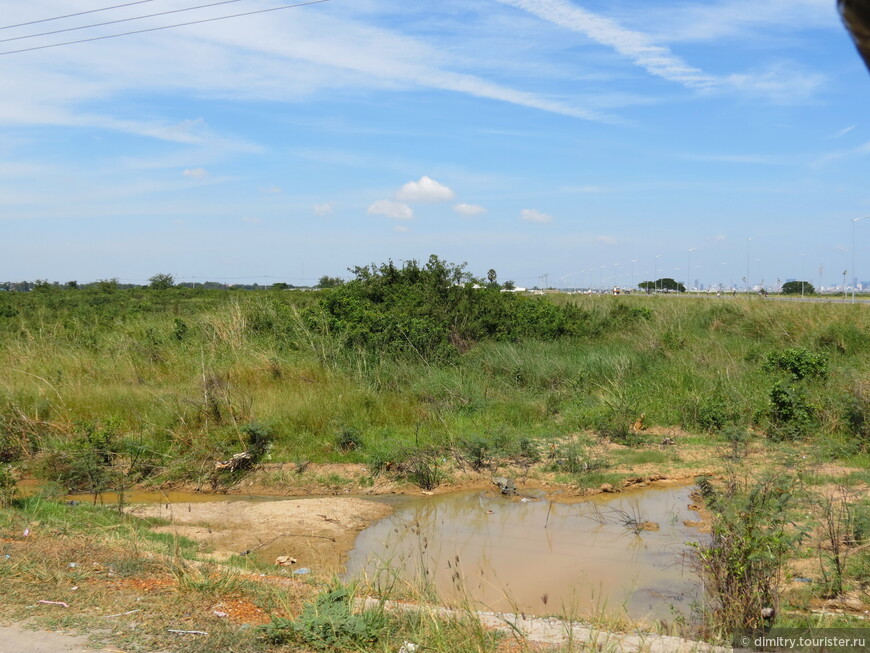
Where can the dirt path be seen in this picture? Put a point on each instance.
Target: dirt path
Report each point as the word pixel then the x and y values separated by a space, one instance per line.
pixel 15 639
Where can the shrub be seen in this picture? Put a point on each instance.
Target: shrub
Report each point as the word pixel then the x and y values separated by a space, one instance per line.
pixel 857 416
pixel 790 412
pixel 433 312
pixel 800 363
pixel 742 562
pixel 8 486
pixel 738 442
pixel 87 463
pixel 329 624
pixel 476 450
pixel 576 459
pixel 349 439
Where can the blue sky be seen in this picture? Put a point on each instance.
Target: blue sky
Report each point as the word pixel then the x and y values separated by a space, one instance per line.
pixel 592 141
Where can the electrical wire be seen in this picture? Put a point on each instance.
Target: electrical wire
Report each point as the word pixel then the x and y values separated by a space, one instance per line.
pixel 120 20
pixel 156 29
pixel 80 13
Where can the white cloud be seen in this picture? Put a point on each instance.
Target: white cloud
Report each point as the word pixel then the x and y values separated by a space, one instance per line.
pixel 401 228
pixel 639 47
pixel 272 190
pixel 778 83
pixel 720 237
pixel 469 209
pixel 391 209
pixel 195 173
pixel 781 83
pixel 425 190
pixel 324 209
pixel 606 240
pixel 736 19
pixel 250 220
pixel 535 216
pixel 843 131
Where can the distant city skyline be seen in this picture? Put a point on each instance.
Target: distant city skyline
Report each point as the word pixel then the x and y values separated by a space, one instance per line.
pixel 725 142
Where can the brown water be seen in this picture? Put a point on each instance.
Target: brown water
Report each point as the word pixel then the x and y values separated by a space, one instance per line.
pixel 539 557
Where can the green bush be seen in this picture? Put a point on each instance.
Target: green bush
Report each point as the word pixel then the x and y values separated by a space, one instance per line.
pixel 800 363
pixel 433 312
pixel 329 624
pixel 349 439
pixel 791 413
pixel 87 463
pixel 742 562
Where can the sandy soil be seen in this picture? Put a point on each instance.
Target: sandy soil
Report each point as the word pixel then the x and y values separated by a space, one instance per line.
pixel 318 533
pixel 15 639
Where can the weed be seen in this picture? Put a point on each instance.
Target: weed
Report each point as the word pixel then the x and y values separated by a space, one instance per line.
pixel 842 528
pixel 8 485
pixel 476 451
pixel 424 468
pixel 742 563
pixel 349 439
pixel 329 624
pixel 576 459
pixel 738 442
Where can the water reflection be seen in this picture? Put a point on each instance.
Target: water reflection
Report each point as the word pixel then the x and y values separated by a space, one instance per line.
pixel 537 556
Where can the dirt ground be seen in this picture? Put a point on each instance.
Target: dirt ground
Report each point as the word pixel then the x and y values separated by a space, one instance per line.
pixel 315 532
pixel 15 639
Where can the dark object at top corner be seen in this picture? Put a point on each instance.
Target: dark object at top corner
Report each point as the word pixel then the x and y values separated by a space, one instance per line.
pixel 856 16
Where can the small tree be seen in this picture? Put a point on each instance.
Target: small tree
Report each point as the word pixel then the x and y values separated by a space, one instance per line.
pixel 161 282
pixel 329 282
pixel 664 284
pixel 798 288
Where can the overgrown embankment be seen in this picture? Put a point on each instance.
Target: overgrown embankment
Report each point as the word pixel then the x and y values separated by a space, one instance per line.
pixel 405 362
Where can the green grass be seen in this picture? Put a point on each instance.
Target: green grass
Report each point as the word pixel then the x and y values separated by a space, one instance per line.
pixel 181 371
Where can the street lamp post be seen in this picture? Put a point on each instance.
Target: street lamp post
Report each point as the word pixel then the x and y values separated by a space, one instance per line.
pixel 746 280
pixel 854 220
pixel 689 268
pixel 803 265
pixel 656 273
pixel 633 261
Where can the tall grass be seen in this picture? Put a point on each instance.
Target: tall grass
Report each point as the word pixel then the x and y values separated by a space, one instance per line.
pixel 184 370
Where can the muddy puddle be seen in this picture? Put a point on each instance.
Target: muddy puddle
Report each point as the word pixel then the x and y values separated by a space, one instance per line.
pixel 539 557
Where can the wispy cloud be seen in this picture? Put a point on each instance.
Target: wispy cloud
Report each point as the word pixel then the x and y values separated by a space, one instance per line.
pixel 469 209
pixel 324 209
pixel 656 59
pixel 533 215
pixel 843 132
pixel 391 209
pixel 606 240
pixel 781 83
pixel 195 173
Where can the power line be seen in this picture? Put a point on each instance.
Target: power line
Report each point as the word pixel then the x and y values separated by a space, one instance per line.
pixel 156 29
pixel 120 20
pixel 80 13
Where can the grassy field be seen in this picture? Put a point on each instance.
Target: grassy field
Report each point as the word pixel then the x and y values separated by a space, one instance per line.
pixel 178 373
pixel 106 389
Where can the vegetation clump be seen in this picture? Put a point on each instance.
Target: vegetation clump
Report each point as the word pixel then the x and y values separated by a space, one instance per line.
pixel 742 565
pixel 329 624
pixel 433 312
